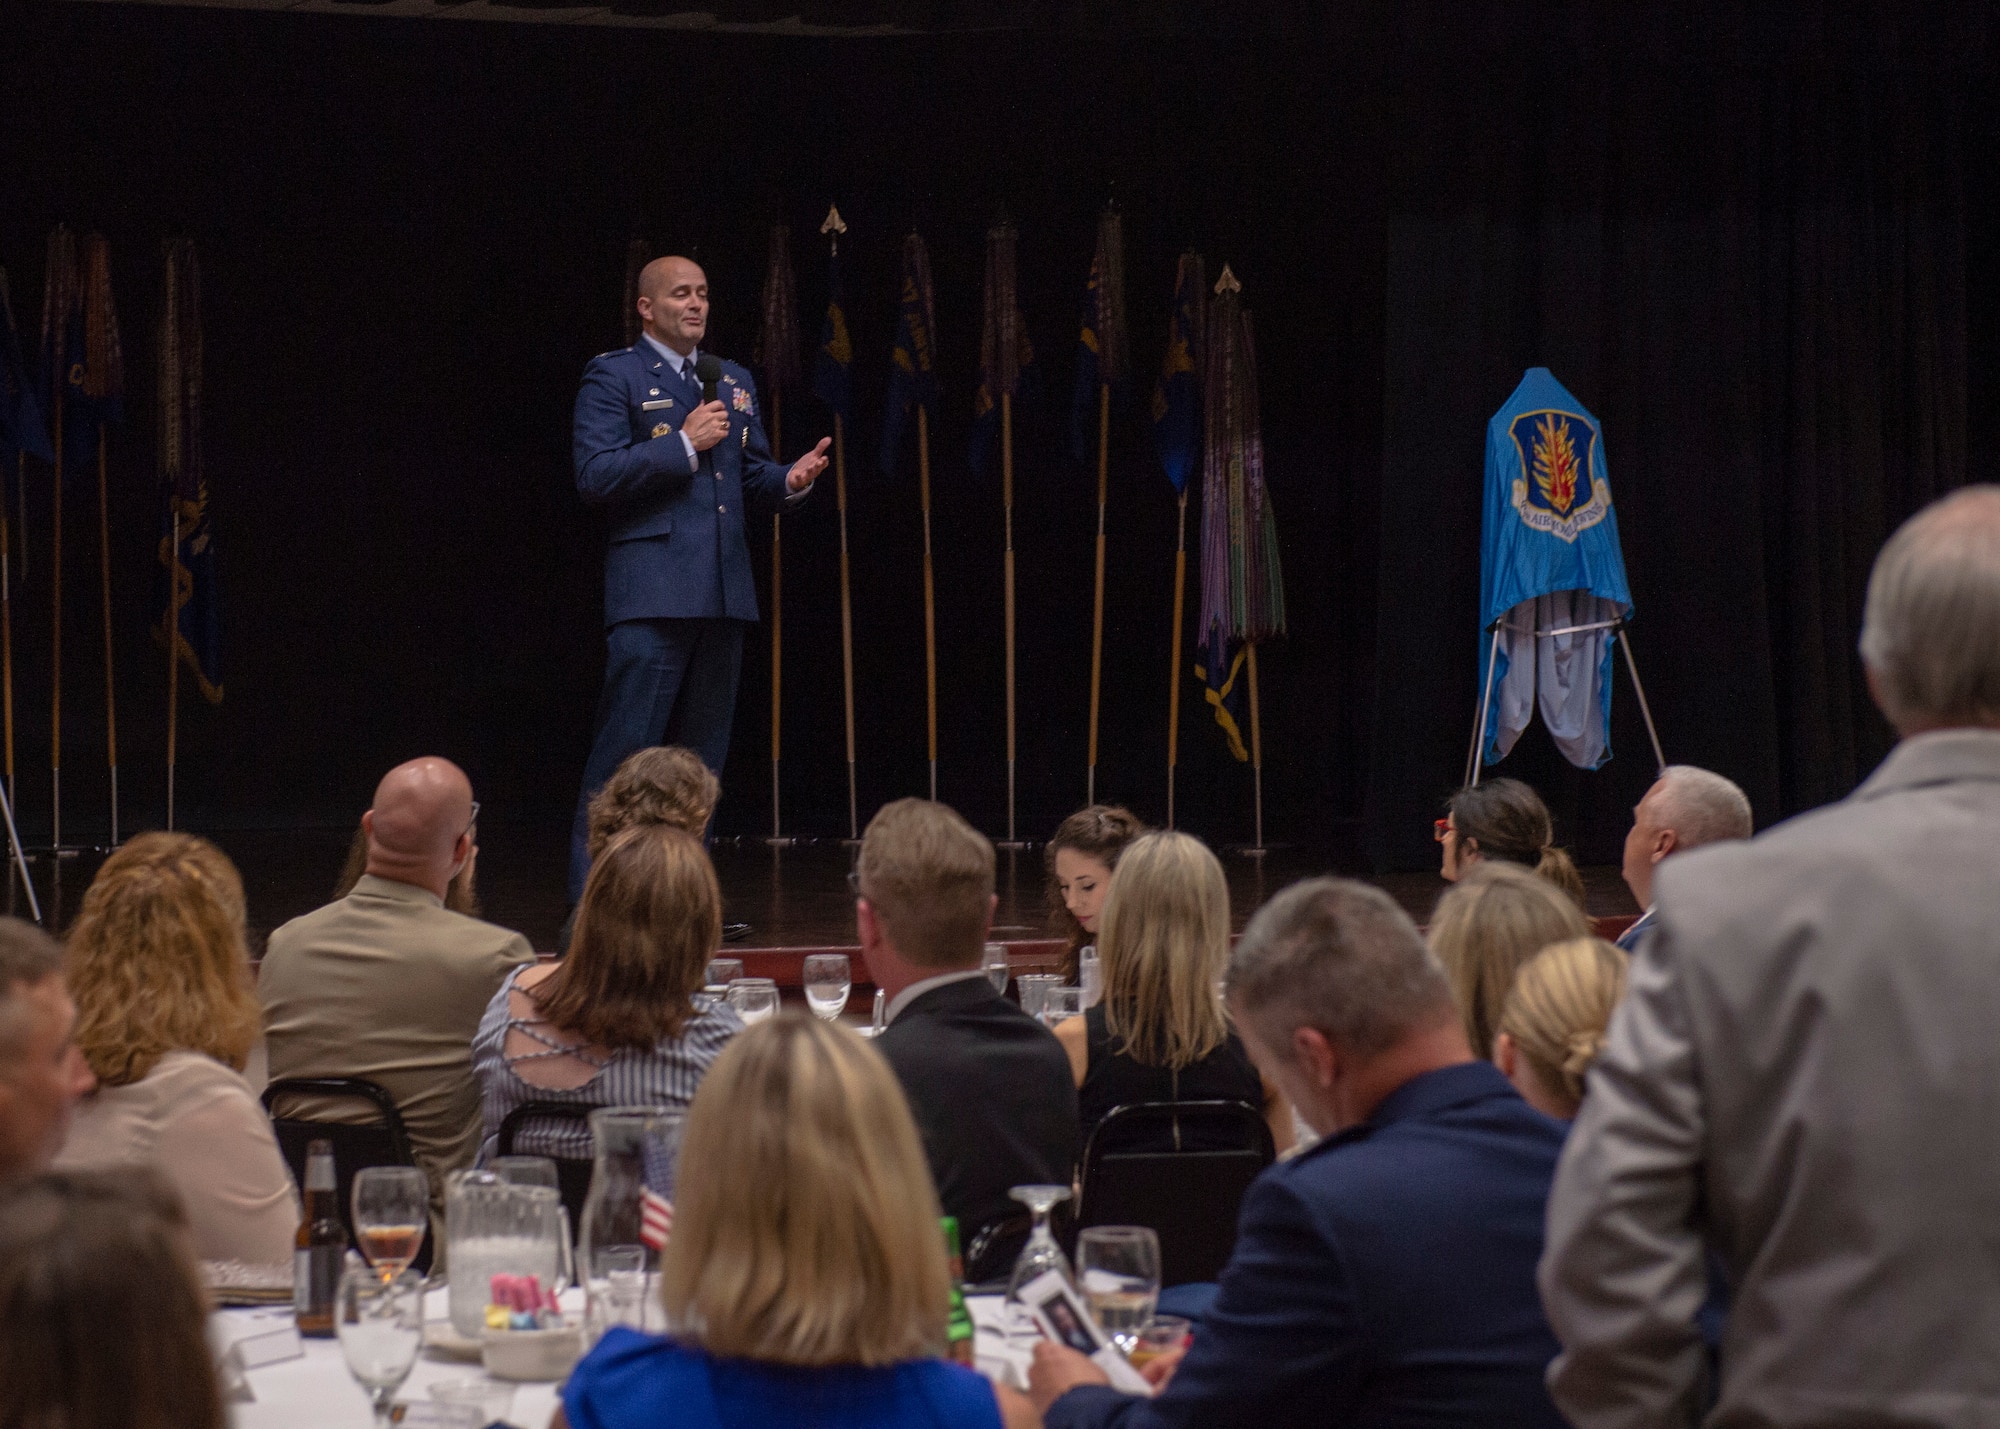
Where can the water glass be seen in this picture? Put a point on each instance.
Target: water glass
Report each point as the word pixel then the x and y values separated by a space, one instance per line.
pixel 1060 1004
pixel 392 1207
pixel 1119 1270
pixel 998 968
pixel 1162 1335
pixel 1090 974
pixel 754 998
pixel 722 972
pixel 827 978
pixel 380 1322
pixel 1035 989
pixel 491 1399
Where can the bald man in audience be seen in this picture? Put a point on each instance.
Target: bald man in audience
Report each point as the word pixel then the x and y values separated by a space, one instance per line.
pixel 387 984
pixel 42 1074
pixel 1685 808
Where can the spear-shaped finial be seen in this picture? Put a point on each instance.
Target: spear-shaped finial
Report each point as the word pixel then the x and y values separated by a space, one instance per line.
pixel 1227 282
pixel 834 225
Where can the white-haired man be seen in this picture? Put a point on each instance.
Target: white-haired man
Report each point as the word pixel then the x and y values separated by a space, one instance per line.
pixel 1685 808
pixel 1801 1078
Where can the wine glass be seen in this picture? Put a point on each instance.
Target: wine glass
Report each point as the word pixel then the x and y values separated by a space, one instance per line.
pixel 754 998
pixel 998 968
pixel 1034 990
pixel 1041 1254
pixel 391 1212
pixel 723 971
pixel 1119 1271
pixel 827 979
pixel 380 1321
pixel 1061 1003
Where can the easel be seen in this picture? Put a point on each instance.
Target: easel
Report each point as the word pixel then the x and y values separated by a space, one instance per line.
pixel 1475 757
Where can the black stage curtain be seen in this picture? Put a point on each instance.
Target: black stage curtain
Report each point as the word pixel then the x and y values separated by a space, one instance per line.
pixel 1743 245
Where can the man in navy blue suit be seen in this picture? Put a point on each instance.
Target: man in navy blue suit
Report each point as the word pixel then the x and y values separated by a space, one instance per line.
pixel 675 472
pixel 1386 1276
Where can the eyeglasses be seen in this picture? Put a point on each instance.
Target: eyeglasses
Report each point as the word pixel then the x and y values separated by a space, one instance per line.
pixel 1441 827
pixel 473 822
pixel 854 882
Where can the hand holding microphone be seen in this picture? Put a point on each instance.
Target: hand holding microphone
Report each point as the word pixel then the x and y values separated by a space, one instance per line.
pixel 707 425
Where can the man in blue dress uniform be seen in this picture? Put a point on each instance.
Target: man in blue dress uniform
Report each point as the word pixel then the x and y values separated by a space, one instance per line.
pixel 675 473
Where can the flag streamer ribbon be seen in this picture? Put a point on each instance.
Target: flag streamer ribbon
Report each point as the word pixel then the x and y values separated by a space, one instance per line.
pixel 1176 416
pixel 777 357
pixel 1003 353
pixel 104 390
pixel 1102 363
pixel 190 623
pixel 833 385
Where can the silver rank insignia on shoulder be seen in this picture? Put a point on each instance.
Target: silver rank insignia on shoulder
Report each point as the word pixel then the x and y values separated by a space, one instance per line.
pixel 660 429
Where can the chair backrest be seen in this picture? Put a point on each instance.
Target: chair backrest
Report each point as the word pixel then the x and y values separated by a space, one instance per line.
pixel 1133 1176
pixel 355 1146
pixel 572 1172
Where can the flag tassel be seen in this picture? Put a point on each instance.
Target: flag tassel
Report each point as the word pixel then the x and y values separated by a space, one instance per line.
pixel 846 619
pixel 930 595
pixel 1097 599
pixel 1174 658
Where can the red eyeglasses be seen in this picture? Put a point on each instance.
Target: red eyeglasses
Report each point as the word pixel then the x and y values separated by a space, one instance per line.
pixel 1441 827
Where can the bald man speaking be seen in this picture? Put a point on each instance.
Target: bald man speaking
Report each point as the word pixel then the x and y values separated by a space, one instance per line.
pixel 674 470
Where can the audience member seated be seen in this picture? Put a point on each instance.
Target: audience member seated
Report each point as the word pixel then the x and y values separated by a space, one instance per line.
pixel 665 784
pixel 1799 1081
pixel 990 1087
pixel 1485 927
pixel 166 1019
pixel 1080 860
pixel 621 1021
pixel 42 1072
pixel 103 1323
pixel 1504 820
pixel 1161 1033
pixel 461 895
pixel 1552 1023
pixel 389 985
pixel 806 1270
pixel 1685 808
pixel 1386 1275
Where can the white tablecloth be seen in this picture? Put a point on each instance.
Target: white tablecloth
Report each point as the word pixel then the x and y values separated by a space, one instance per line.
pixel 317 1392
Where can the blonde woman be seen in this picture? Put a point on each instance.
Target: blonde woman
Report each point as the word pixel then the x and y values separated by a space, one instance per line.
pixel 1552 1023
pixel 806 1280
pixel 165 1017
pixel 1489 923
pixel 1160 1032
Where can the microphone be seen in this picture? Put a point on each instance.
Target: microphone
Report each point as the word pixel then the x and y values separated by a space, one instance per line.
pixel 708 371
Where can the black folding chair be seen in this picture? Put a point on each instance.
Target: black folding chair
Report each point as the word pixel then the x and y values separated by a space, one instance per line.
pixel 355 1145
pixel 572 1172
pixel 1180 1168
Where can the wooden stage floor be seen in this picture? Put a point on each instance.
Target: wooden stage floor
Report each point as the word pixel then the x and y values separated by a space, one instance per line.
pixel 793 898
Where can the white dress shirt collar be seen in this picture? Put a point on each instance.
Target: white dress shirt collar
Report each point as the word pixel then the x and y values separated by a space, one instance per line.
pixel 684 366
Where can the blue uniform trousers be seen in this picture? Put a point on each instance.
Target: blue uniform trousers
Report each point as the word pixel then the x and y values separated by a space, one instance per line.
pixel 665 682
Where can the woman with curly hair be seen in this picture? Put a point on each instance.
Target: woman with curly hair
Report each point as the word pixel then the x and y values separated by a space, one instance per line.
pixel 1080 858
pixel 166 1018
pixel 664 784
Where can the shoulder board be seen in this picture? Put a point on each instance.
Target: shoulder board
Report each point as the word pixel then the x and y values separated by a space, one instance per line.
pixel 615 352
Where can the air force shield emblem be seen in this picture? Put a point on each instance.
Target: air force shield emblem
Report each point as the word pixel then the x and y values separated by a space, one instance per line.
pixel 1556 491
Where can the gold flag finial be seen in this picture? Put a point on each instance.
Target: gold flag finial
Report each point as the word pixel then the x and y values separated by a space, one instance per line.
pixel 1227 282
pixel 834 224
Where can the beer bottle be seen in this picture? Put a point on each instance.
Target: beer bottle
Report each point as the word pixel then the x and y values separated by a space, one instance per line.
pixel 318 1247
pixel 959 1333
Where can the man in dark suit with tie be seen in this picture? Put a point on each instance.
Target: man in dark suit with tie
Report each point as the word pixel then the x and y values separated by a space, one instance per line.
pixel 1385 1276
pixel 990 1087
pixel 674 468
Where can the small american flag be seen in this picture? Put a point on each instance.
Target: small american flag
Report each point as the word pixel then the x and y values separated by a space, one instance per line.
pixel 656 1218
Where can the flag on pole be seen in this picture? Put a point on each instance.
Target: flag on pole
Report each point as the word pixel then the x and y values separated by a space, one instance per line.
pixel 776 352
pixel 832 381
pixel 1102 356
pixel 21 426
pixel 62 340
pixel 1551 572
pixel 190 564
pixel 1005 354
pixel 913 362
pixel 1177 395
pixel 101 384
pixel 1242 584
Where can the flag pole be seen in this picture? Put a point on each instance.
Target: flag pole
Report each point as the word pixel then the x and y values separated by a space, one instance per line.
pixel 173 654
pixel 55 645
pixel 1256 758
pixel 930 596
pixel 846 618
pixel 104 571
pixel 1174 659
pixel 777 615
pixel 1007 506
pixel 7 623
pixel 1097 600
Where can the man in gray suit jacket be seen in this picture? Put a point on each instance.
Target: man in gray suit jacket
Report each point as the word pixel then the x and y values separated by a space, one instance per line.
pixel 1804 1077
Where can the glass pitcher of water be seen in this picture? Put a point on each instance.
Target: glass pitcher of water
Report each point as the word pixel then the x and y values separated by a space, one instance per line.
pixel 495 1227
pixel 629 1215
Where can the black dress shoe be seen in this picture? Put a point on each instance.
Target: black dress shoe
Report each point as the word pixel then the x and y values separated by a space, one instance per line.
pixel 735 932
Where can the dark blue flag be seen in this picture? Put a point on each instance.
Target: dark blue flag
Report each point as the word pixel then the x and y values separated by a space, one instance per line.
pixel 1100 344
pixel 1177 395
pixel 1006 357
pixel 1219 664
pixel 913 364
pixel 21 426
pixel 832 382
